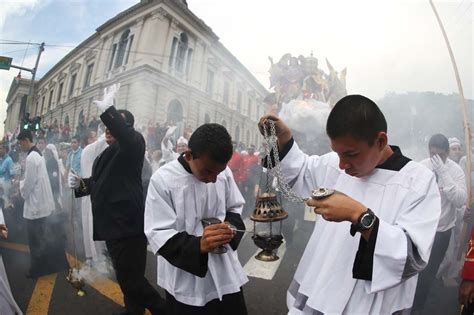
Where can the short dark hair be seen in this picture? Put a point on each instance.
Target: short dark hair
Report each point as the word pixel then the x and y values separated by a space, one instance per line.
pixel 356 116
pixel 77 138
pixel 439 141
pixel 212 140
pixel 129 119
pixel 25 134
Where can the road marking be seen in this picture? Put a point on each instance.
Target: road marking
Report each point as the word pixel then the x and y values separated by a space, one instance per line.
pixel 39 302
pixel 15 246
pixel 41 297
pixel 108 288
pixel 102 284
pixel 264 270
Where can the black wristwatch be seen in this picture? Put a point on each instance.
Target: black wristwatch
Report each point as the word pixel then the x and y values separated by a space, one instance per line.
pixel 366 221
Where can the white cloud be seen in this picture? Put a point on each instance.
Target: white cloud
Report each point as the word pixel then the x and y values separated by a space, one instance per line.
pixel 12 8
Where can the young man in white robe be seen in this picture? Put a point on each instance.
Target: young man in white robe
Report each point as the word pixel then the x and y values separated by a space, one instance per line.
pixel 196 186
pixel 375 233
pixel 452 187
pixel 39 204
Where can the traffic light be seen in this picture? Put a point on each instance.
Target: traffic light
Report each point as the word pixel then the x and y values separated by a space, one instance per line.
pixel 36 124
pixel 25 121
pixel 25 124
pixel 32 125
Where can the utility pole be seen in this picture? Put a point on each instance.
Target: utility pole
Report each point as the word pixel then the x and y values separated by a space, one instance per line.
pixel 33 74
pixel 467 129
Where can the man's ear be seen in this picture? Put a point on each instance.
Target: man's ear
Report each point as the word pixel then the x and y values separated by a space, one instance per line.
pixel 188 155
pixel 382 139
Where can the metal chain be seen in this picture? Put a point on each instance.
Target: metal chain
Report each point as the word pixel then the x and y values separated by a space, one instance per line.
pixel 271 144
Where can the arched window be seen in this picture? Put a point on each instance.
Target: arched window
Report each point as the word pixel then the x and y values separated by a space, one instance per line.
pixel 66 120
pixel 182 50
pixel 248 137
pixel 181 55
pixel 175 112
pixel 207 119
pixel 121 50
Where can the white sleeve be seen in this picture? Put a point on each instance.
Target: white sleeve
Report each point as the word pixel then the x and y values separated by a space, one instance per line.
pixel 31 176
pixel 300 171
pixel 453 184
pixel 413 230
pixel 160 217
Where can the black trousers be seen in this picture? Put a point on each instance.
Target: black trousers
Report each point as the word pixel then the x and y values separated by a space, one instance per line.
pixel 231 304
pixel 129 261
pixel 428 275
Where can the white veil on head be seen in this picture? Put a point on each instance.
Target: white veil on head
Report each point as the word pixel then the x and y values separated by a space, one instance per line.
pixel 53 150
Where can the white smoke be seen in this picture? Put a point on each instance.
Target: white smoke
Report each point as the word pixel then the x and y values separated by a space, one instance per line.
pixel 307 119
pixel 90 271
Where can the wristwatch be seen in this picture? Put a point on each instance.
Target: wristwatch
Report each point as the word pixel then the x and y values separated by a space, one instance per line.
pixel 365 221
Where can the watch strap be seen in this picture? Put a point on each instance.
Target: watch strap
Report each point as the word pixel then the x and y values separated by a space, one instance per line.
pixel 357 227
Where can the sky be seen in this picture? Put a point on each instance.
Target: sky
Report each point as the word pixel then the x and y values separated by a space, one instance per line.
pixel 387 46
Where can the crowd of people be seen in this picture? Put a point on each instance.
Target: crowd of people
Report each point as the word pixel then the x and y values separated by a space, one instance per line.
pixel 391 228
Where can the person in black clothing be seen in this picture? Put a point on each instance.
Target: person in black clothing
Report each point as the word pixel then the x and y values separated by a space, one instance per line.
pixel 117 200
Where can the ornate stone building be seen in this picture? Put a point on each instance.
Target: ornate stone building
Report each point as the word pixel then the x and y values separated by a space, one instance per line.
pixel 171 67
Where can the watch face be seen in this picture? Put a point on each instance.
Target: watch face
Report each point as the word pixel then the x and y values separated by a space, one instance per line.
pixel 367 220
pixel 322 193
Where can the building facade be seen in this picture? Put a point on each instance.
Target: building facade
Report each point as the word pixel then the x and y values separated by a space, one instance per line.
pixel 171 67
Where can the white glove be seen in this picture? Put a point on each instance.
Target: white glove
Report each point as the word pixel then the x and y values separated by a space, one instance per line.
pixel 109 95
pixel 438 164
pixel 73 180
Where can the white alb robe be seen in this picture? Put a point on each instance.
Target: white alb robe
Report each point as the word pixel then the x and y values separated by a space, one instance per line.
pixel 36 189
pixel 407 203
pixel 93 249
pixel 176 202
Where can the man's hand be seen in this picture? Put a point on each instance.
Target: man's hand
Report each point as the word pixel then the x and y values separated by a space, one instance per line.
pixel 438 164
pixel 3 231
pixel 466 292
pixel 109 95
pixel 283 132
pixel 337 208
pixel 73 180
pixel 214 236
